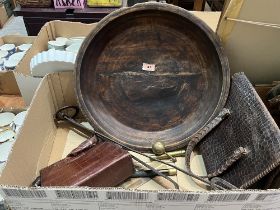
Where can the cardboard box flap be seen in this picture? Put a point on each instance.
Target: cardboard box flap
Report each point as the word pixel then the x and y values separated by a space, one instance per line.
pixel 210 18
pixel 231 9
pixel 8 84
pixel 60 28
pixel 17 40
pixel 23 156
pixel 54 93
pixel 3 15
pixel 62 85
pixel 120 199
pixel 29 145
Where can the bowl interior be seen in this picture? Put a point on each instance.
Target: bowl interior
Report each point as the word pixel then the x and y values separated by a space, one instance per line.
pixel 169 102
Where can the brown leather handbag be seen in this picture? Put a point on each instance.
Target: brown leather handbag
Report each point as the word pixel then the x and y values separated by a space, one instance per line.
pixel 89 165
pixel 245 147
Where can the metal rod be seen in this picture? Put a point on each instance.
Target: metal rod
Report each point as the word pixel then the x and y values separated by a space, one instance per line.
pixel 71 120
pixel 93 132
pixel 271 25
pixel 151 174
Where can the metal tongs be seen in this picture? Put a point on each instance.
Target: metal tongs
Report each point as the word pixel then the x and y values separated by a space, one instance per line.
pixel 68 114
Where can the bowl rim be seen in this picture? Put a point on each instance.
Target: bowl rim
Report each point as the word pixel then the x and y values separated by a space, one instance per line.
pixel 166 8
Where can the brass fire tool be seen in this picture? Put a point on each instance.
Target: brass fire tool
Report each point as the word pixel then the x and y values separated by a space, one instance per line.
pixel 61 115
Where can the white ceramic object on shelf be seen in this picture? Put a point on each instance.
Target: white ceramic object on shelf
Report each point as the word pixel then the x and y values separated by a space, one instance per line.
pixel 74 47
pixel 52 61
pixel 4 54
pixel 10 65
pixel 17 56
pixel 57 45
pixel 63 40
pixel 75 40
pixel 6 118
pixel 6 149
pixel 19 118
pixel 24 47
pixel 6 135
pixel 11 48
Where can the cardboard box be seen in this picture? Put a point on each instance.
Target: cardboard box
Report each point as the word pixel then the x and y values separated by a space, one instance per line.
pixel 3 16
pixel 8 84
pixel 28 84
pixel 250 32
pixel 40 143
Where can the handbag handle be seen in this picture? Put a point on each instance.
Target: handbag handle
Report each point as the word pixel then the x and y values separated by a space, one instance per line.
pixel 202 133
pixel 238 153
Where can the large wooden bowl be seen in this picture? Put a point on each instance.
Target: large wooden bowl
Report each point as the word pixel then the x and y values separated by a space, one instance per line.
pixel 188 87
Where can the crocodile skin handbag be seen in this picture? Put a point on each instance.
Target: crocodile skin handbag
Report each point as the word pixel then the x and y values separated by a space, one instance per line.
pixel 245 147
pixel 89 165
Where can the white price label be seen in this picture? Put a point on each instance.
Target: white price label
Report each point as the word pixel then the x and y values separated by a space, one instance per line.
pixel 149 67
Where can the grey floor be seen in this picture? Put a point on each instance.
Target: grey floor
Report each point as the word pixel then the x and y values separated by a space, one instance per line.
pixel 14 26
